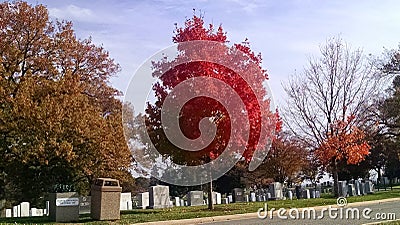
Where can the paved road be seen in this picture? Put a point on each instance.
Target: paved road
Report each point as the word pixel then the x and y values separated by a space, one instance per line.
pixel 380 210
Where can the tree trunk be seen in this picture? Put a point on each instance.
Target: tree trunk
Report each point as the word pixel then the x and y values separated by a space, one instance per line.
pixel 335 179
pixel 210 196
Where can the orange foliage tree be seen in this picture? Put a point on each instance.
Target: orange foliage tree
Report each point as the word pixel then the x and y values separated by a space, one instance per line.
pixel 344 142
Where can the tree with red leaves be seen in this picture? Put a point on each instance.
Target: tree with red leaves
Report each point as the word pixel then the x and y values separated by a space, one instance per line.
pixel 196 109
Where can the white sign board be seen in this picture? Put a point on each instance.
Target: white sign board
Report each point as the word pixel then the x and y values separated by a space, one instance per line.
pixel 67 201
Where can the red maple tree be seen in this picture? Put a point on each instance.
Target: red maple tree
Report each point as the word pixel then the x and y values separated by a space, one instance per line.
pixel 196 109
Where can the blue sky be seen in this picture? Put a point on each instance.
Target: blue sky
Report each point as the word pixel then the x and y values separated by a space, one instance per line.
pixel 287 32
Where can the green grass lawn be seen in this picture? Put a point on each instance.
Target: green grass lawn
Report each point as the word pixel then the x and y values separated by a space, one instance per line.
pixel 148 215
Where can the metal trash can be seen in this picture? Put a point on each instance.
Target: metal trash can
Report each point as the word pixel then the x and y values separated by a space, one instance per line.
pixel 105 200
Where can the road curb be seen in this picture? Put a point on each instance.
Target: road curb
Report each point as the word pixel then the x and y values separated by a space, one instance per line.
pixel 250 215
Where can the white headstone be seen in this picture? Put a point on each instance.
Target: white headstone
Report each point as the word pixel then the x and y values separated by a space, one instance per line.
pixel 125 201
pixel 143 200
pixel 230 198
pixel 177 201
pixel 159 197
pixel 47 208
pixel 306 193
pixel 218 198
pixel 252 196
pixel 290 195
pixel 182 202
pixel 25 208
pixel 16 211
pixel 8 213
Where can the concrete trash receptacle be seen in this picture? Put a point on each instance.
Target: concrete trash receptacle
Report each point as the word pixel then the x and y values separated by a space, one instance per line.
pixel 105 200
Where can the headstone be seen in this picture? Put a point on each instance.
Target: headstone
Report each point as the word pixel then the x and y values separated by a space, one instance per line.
pixel 275 189
pixel 8 213
pixel 159 197
pixel 238 195
pixel 351 190
pixel 125 202
pixel 369 187
pixel 185 203
pixel 84 204
pixel 312 193
pixel 47 208
pixel 225 201
pixel 317 194
pixel 246 198
pixel 143 200
pixel 290 195
pixel 306 193
pixel 177 201
pixel 298 191
pixel 171 203
pixel 362 188
pixel 342 189
pixel 252 196
pixel 182 202
pixel 16 211
pixel 357 187
pixel 385 180
pixel 25 207
pixel 195 198
pixel 217 198
pixel 36 212
pixel 230 198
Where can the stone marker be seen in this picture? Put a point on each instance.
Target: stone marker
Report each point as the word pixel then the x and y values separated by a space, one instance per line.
pixel 25 207
pixel 230 198
pixel 369 187
pixel 143 200
pixel 275 189
pixel 252 196
pixel 218 198
pixel 225 201
pixel 47 210
pixel 8 213
pixel 36 212
pixel 317 194
pixel 182 202
pixel 125 201
pixel 194 198
pixel 177 201
pixel 357 187
pixel 64 207
pixel 306 193
pixel 312 193
pixel 290 195
pixel 159 197
pixel 17 211
pixel 342 189
pixel 351 190
pixel 238 195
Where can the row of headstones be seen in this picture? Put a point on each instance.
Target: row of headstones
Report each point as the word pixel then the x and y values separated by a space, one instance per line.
pixel 355 188
pixel 385 180
pixel 158 197
pixel 24 210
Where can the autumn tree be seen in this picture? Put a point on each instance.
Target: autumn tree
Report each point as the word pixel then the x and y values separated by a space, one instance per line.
pixel 339 84
pixel 171 74
pixel 60 120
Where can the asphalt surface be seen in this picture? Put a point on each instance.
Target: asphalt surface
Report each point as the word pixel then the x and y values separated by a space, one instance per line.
pixel 373 213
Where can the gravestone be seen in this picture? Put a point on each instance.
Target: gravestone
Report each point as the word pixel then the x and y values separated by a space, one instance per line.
pixel 298 191
pixel 216 198
pixel 47 212
pixel 25 208
pixel 357 187
pixel 16 211
pixel 342 189
pixel 252 196
pixel 238 195
pixel 125 202
pixel 195 198
pixel 246 198
pixel 84 204
pixel 275 189
pixel 369 187
pixel 362 188
pixel 182 202
pixel 312 193
pixel 143 200
pixel 159 197
pixel 230 198
pixel 306 194
pixel 225 201
pixel 8 213
pixel 36 212
pixel 177 201
pixel 385 180
pixel 317 194
pixel 290 195
pixel 351 190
